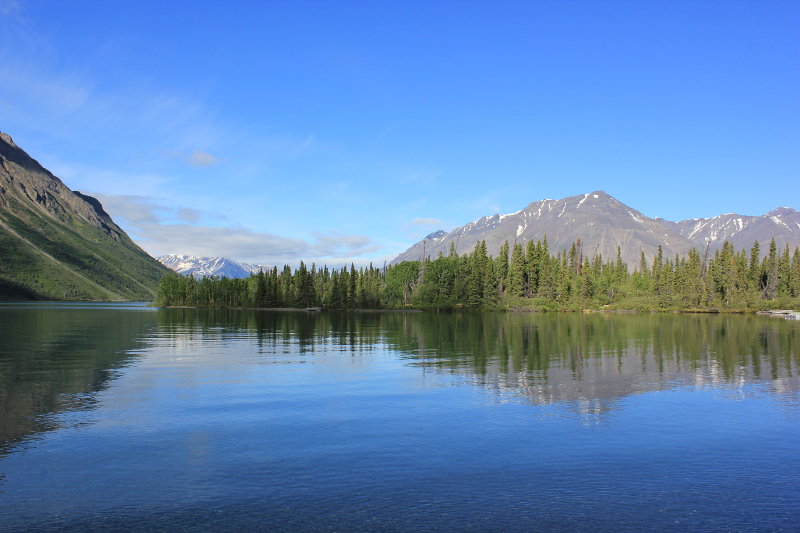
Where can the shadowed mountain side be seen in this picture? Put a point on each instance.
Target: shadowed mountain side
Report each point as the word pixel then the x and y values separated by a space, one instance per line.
pixel 60 244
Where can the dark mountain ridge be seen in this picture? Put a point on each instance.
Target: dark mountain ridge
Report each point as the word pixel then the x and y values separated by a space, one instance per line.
pixel 60 244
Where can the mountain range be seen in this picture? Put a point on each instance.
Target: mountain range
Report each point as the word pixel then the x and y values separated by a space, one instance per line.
pixel 201 267
pixel 56 243
pixel 602 224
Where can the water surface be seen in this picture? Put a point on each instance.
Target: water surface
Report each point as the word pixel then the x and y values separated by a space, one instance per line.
pixel 128 417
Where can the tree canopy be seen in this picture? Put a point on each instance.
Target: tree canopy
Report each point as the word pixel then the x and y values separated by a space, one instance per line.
pixel 521 277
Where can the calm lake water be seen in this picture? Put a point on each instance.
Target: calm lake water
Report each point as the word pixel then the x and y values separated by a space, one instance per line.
pixel 127 417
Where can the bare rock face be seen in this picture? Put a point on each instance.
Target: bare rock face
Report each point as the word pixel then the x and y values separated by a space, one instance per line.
pixel 781 224
pixel 61 244
pixel 24 179
pixel 603 224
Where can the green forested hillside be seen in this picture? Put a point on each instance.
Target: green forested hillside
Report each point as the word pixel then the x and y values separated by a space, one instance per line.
pixel 529 278
pixel 56 244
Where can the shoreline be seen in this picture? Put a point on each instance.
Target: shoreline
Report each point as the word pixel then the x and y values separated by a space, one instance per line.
pixel 771 313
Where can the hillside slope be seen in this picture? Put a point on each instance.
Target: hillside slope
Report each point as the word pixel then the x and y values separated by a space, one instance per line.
pixel 60 244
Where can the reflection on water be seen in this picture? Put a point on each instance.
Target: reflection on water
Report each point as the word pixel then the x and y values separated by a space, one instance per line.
pixel 54 357
pixel 396 421
pixel 589 361
pixel 544 358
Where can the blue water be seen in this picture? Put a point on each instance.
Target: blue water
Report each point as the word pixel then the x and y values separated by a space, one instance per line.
pixel 130 418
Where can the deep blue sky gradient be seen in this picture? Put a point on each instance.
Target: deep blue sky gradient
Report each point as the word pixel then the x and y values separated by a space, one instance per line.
pixel 347 131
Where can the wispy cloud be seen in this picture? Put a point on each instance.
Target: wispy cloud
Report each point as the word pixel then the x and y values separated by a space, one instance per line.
pixel 197 158
pixel 411 175
pixel 10 7
pixel 419 221
pixel 336 243
pixel 189 215
pixel 386 132
pixel 161 229
pixel 302 146
pixel 486 204
pixel 110 181
pixel 69 105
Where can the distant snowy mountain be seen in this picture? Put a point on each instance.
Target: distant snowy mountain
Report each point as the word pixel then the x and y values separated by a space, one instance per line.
pixel 781 224
pixel 201 267
pixel 603 224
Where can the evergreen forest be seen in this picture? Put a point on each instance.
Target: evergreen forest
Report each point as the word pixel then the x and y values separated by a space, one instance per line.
pixel 519 278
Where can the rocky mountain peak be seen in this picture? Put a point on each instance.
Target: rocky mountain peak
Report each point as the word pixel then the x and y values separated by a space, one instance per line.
pixel 26 181
pixel 201 267
pixel 603 224
pixel 780 211
pixel 436 235
pixel 6 138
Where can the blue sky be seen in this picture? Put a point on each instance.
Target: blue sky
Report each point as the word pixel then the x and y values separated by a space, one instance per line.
pixel 338 131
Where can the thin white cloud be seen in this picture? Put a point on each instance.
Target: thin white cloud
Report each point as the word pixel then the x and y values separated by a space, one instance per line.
pixel 386 132
pixel 416 175
pixel 70 105
pixel 43 95
pixel 197 158
pixel 162 230
pixel 201 159
pixel 10 7
pixel 303 146
pixel 419 221
pixel 110 181
pixel 191 216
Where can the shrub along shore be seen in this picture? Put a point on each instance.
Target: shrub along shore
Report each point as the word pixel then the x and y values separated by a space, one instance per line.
pixel 520 278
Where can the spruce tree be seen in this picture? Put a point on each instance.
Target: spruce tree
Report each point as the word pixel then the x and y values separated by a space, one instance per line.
pixel 794 282
pixel 532 268
pixel 754 278
pixel 260 297
pixel 784 273
pixel 516 272
pixel 501 267
pixel 770 267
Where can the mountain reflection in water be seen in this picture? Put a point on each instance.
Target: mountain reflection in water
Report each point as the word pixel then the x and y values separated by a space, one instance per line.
pixel 54 357
pixel 583 359
pixel 248 420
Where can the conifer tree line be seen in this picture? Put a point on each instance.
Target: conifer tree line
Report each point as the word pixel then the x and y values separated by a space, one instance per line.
pixel 520 277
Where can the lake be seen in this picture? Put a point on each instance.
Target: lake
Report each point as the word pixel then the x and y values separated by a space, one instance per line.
pixel 129 417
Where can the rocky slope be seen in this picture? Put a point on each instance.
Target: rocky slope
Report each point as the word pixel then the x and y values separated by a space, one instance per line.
pixel 781 224
pixel 60 244
pixel 601 222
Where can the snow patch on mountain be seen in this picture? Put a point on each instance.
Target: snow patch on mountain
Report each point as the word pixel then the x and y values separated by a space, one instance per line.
pixel 201 267
pixel 604 224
